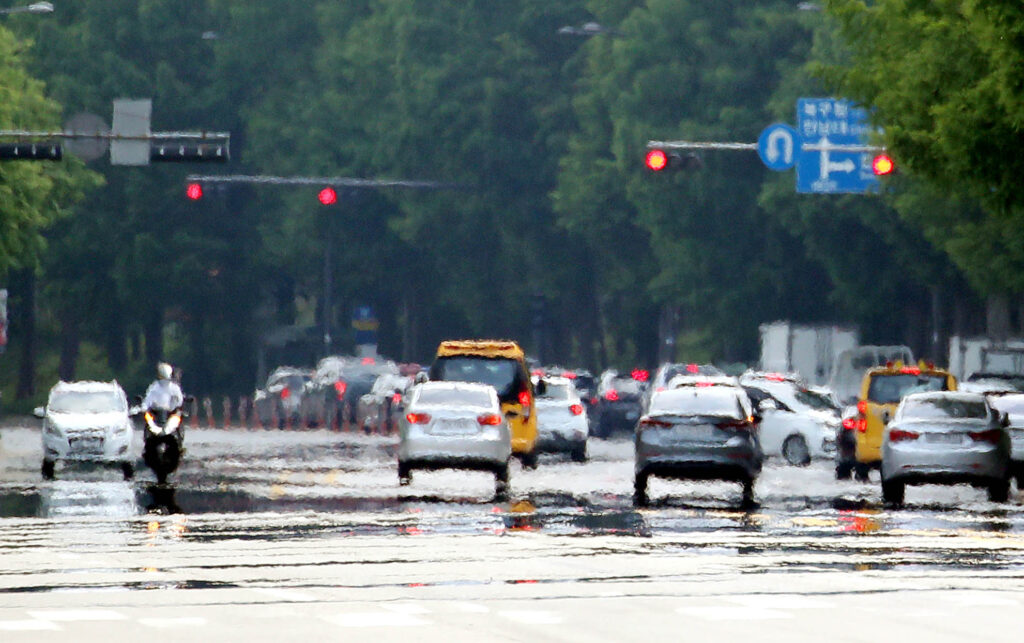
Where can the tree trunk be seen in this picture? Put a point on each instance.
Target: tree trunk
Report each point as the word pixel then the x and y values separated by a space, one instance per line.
pixel 116 339
pixel 153 328
pixel 70 340
pixel 25 332
pixel 997 317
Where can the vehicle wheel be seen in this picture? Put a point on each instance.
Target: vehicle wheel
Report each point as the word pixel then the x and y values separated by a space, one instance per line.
pixel 844 470
pixel 404 475
pixel 999 491
pixel 529 460
pixel 48 469
pixel 748 493
pixel 501 482
pixel 861 471
pixel 795 450
pixel 579 454
pixel 128 469
pixel 161 477
pixel 893 492
pixel 640 490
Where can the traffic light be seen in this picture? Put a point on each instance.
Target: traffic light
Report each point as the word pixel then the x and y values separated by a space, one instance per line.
pixel 658 160
pixel 194 191
pixel 328 196
pixel 189 153
pixel 882 165
pixel 31 151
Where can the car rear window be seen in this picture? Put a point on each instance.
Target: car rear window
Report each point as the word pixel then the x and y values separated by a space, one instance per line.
pixel 505 375
pixel 718 403
pixel 939 408
pixel 454 397
pixel 890 389
pixel 556 392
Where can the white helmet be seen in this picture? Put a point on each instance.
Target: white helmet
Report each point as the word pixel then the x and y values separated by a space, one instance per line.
pixel 164 371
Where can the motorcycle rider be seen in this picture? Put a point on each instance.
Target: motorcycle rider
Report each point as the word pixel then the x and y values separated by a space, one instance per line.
pixel 164 393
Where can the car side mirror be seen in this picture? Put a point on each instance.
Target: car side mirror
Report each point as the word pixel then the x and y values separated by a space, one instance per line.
pixel 886 416
pixel 421 377
pixel 1004 420
pixel 39 412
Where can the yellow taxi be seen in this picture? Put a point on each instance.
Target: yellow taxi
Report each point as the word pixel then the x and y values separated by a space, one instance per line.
pixel 502 364
pixel 881 391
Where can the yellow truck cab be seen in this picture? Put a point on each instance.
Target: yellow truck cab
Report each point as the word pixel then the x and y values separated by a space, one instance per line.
pixel 881 391
pixel 502 364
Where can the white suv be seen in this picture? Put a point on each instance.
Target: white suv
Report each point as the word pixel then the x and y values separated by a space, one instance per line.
pixel 87 422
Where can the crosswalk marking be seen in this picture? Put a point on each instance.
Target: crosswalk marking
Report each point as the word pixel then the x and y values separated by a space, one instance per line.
pixel 28 626
pixel 76 615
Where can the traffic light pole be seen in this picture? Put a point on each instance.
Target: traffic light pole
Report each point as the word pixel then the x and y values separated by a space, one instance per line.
pixel 168 146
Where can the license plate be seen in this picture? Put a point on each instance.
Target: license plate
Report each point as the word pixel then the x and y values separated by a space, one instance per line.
pixel 945 438
pixel 91 445
pixel 455 428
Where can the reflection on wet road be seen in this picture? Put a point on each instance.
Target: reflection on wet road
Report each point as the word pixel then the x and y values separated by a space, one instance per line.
pixel 314 513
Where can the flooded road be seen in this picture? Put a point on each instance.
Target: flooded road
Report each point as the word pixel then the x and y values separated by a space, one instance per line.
pixel 268 532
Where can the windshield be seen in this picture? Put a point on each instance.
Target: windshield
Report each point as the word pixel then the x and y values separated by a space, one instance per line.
pixel 944 408
pixel 889 389
pixel 816 401
pixel 454 397
pixel 555 392
pixel 690 402
pixel 504 375
pixel 87 402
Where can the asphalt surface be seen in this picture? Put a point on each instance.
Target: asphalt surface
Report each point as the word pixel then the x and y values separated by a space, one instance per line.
pixel 277 535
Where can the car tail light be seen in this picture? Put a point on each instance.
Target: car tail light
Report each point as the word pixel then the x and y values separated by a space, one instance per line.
pixel 612 395
pixel 862 425
pixel 417 418
pixel 901 435
pixel 704 384
pixel 286 393
pixel 640 375
pixel 569 375
pixel 524 397
pixel 576 409
pixel 775 377
pixel 692 368
pixel 736 425
pixel 651 423
pixel 850 424
pixel 910 370
pixel 396 398
pixel 340 387
pixel 992 436
pixel 862 407
pixel 489 419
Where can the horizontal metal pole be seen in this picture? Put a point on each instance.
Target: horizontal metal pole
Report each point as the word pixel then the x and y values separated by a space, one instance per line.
pixel 152 136
pixel 695 145
pixel 341 181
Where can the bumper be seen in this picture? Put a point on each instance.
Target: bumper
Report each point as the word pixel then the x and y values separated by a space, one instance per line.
pixel 931 466
pixel 726 461
pixel 450 452
pixel 90 447
pixel 560 443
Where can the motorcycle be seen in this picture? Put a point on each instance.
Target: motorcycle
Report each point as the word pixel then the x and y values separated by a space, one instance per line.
pixel 164 441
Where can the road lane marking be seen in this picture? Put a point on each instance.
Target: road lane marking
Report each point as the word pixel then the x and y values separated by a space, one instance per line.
pixel 782 601
pixel 406 608
pixel 28 626
pixel 376 619
pixel 533 617
pixel 731 613
pixel 77 615
pixel 284 594
pixel 181 621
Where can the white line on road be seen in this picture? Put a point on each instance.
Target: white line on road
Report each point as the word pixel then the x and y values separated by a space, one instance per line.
pixel 28 626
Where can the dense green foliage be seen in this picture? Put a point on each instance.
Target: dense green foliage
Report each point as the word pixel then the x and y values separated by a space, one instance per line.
pixel 542 132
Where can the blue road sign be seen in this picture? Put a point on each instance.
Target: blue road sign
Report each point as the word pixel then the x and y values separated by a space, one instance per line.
pixel 824 127
pixel 778 146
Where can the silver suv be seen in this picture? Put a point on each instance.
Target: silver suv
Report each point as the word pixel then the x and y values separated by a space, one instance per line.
pixel 87 422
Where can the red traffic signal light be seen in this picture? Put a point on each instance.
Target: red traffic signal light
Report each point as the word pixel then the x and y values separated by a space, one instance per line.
pixel 194 191
pixel 656 160
pixel 328 196
pixel 882 165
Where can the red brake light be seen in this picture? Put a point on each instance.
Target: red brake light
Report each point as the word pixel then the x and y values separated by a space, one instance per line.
pixel 569 375
pixel 576 409
pixel 882 164
pixel 340 387
pixel 537 372
pixel 775 377
pixel 850 424
pixel 286 393
pixel 328 196
pixel 417 418
pixel 862 425
pixel 368 361
pixel 194 191
pixel 640 375
pixel 489 419
pixel 524 397
pixel 656 160
pixel 649 423
pixel 862 407
pixel 704 384
pixel 396 398
pixel 692 368
pixel 991 435
pixel 612 395
pixel 900 435
pixel 910 370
